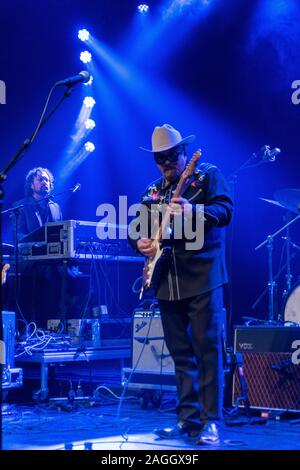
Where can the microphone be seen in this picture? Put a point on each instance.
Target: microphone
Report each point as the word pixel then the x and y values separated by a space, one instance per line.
pixel 268 154
pixel 83 77
pixel 77 187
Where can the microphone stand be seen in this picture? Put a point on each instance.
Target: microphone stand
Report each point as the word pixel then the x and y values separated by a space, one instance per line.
pixel 3 177
pixel 285 266
pixel 16 212
pixel 288 276
pixel 271 283
pixel 36 202
pixel 233 179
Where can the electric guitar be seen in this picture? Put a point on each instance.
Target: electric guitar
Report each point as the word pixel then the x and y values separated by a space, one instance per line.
pixel 153 266
pixel 4 273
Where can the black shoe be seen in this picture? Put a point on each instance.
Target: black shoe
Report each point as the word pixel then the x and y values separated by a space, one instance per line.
pixel 180 430
pixel 209 435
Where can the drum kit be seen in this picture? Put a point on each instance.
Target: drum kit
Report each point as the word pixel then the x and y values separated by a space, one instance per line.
pixel 289 200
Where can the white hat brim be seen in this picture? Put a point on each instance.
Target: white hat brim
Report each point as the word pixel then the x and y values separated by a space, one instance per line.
pixel 186 140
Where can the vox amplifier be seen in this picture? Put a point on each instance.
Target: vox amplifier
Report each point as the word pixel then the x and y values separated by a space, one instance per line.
pixel 271 362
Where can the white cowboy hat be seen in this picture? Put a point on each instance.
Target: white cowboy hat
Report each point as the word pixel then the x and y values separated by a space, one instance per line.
pixel 166 137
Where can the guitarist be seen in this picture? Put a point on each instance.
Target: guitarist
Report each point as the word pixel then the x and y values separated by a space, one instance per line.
pixel 190 289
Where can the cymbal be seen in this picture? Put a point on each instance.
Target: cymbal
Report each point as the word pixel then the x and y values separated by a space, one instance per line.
pixel 271 201
pixel 7 249
pixel 289 198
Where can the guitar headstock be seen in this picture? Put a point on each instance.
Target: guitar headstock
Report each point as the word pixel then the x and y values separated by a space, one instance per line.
pixel 192 163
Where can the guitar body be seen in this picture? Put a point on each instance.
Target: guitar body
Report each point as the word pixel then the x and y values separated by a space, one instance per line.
pixel 153 266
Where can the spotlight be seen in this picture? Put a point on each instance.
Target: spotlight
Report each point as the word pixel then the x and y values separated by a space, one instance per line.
pixel 83 35
pixel 89 124
pixel 85 57
pixel 90 80
pixel 89 102
pixel 89 146
pixel 143 8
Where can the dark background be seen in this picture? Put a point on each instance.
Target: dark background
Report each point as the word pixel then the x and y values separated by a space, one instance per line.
pixel 222 71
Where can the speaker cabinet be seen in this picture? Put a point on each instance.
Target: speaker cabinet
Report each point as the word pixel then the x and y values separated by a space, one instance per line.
pixel 11 377
pixel 271 363
pixel 149 350
pixel 8 344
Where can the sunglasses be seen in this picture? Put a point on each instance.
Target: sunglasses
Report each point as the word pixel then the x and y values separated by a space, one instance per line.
pixel 170 155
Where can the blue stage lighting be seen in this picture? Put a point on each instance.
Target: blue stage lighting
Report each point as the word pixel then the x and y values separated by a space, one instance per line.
pixel 89 146
pixel 83 35
pixel 85 57
pixel 143 8
pixel 89 102
pixel 90 81
pixel 90 124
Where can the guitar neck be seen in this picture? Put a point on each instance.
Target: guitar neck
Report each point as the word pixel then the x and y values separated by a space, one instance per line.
pixel 179 187
pixel 166 219
pixel 178 191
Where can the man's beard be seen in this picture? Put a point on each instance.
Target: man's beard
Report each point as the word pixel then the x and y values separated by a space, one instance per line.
pixel 44 191
pixel 172 175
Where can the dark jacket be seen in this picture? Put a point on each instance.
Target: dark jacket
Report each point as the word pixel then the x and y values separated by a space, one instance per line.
pixel 34 215
pixel 194 272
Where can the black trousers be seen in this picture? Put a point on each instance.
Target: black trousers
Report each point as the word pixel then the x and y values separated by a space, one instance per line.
pixel 192 329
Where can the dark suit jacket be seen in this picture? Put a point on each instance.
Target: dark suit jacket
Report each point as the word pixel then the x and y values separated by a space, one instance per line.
pixel 30 216
pixel 194 272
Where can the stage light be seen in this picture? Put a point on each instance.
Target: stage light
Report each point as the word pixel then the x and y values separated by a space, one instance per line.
pixel 143 8
pixel 85 57
pixel 90 81
pixel 83 35
pixel 89 102
pixel 89 146
pixel 90 124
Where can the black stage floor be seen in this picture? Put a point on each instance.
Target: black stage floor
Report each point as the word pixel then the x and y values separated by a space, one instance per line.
pixel 107 426
pixel 94 417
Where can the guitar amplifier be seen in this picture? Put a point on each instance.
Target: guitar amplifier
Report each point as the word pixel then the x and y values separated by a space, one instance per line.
pixel 271 362
pixel 152 365
pixel 149 350
pixel 77 239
